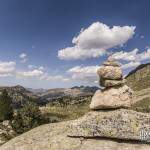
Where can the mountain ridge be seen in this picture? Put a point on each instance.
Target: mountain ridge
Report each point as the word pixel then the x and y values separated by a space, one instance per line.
pixel 137 68
pixel 19 94
pixel 139 78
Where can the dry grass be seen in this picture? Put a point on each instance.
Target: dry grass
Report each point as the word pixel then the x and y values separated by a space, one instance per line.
pixel 65 113
pixel 142 105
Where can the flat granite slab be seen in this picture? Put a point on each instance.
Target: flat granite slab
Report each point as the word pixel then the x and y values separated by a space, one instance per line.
pixel 117 124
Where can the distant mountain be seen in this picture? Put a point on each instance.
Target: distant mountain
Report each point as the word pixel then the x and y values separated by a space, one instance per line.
pixel 74 91
pixel 77 91
pixel 139 78
pixel 90 89
pixel 37 91
pixel 18 94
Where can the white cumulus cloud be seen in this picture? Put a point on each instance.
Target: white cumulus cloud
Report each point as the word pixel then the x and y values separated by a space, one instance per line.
pixel 131 64
pixel 128 56
pixel 41 75
pixel 33 73
pixel 84 73
pixel 57 78
pixel 133 58
pixel 144 56
pixel 95 40
pixel 133 55
pixel 7 68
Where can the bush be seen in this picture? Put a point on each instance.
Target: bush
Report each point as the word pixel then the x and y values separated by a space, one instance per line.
pixel 6 110
pixel 26 118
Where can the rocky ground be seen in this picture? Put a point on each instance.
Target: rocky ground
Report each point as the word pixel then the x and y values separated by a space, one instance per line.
pixel 6 132
pixel 115 124
pixel 54 137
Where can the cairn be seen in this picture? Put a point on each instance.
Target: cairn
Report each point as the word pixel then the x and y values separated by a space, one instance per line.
pixel 115 93
pixel 117 122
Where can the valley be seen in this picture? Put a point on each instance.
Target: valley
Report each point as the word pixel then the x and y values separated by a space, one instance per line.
pixel 138 80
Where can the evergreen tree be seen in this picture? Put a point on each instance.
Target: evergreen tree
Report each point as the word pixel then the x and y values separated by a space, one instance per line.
pixel 6 110
pixel 28 117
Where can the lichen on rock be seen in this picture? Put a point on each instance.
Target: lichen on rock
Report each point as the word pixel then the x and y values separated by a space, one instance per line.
pixel 118 124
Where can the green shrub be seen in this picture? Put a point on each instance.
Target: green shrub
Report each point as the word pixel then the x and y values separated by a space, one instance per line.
pixel 6 111
pixel 26 118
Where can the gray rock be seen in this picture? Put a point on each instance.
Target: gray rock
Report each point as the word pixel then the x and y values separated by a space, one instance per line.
pixel 110 72
pixel 119 97
pixel 6 132
pixel 111 83
pixel 119 124
pixel 54 137
pixel 111 63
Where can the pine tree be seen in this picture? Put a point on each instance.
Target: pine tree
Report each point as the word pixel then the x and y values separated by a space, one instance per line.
pixel 28 117
pixel 6 111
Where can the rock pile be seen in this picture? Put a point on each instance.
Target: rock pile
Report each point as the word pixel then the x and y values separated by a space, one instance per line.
pixel 117 122
pixel 115 94
pixel 6 132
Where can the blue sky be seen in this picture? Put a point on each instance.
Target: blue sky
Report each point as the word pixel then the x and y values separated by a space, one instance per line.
pixel 53 43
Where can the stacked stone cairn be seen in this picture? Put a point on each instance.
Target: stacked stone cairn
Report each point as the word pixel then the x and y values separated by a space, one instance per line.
pixel 115 93
pixel 111 116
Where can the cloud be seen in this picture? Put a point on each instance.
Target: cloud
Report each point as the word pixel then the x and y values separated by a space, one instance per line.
pixel 74 53
pixel 35 67
pixel 128 56
pixel 7 68
pixel 59 78
pixel 23 57
pixel 133 58
pixel 41 75
pixel 95 40
pixel 144 56
pixel 33 73
pixel 31 66
pixel 87 73
pixel 133 55
pixel 86 69
pixel 41 68
pixel 130 65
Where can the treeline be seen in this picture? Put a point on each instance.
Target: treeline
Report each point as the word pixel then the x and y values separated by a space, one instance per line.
pixel 22 119
pixel 68 100
pixel 29 115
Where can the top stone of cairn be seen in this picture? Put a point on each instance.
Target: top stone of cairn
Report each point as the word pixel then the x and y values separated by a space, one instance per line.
pixel 110 70
pixel 111 62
